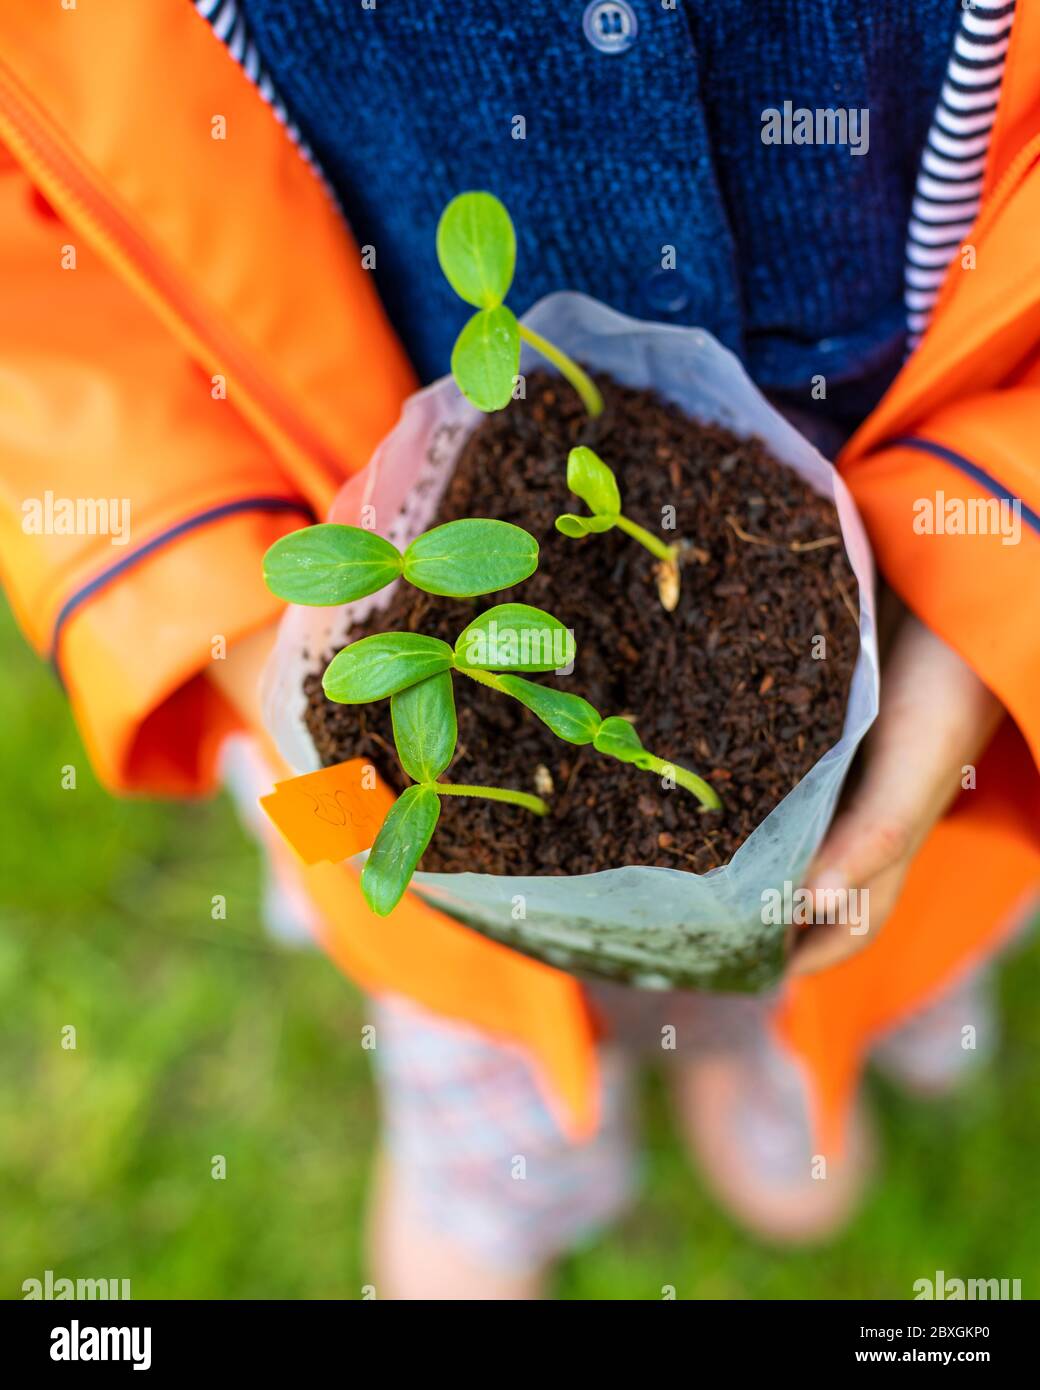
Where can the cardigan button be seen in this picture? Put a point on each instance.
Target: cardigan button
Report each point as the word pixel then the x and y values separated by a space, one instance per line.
pixel 667 292
pixel 610 25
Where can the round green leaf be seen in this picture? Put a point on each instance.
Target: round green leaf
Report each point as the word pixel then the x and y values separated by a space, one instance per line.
pixel 578 526
pixel 327 564
pixel 485 360
pixel 425 728
pixel 617 738
pixel 590 478
pixel 399 846
pixel 476 246
pixel 464 558
pixel 568 716
pixel 515 637
pixel 377 666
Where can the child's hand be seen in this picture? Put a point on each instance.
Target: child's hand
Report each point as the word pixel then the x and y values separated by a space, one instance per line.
pixel 936 716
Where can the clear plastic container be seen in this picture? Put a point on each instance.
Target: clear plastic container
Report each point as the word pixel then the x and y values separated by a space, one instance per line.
pixel 647 926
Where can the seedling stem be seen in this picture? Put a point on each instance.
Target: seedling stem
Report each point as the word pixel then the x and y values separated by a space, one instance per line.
pixel 586 388
pixel 515 798
pixel 665 553
pixel 476 247
pixel 705 794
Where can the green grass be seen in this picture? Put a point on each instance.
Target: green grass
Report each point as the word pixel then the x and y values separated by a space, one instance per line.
pixel 198 1037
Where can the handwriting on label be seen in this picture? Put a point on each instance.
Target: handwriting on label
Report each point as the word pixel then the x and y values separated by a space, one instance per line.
pixel 331 814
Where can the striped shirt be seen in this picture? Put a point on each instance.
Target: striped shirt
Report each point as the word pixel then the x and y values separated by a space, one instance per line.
pixel 949 182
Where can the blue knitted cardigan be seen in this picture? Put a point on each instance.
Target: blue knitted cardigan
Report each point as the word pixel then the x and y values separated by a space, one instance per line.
pixel 635 147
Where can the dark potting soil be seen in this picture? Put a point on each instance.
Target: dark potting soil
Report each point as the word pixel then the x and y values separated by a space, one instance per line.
pixel 727 685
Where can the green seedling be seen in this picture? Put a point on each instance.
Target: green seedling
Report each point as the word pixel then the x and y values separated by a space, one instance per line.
pixel 508 637
pixel 414 671
pixel 331 564
pixel 591 480
pixel 425 735
pixel 476 247
pixel 576 721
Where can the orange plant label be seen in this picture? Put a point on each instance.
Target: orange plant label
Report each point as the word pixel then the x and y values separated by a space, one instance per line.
pixel 331 814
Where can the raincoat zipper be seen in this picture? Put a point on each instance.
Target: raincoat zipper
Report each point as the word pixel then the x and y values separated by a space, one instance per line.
pixel 56 170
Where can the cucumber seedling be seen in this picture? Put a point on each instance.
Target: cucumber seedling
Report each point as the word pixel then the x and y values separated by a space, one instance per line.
pixel 425 735
pixel 414 670
pixel 331 564
pixel 476 247
pixel 594 482
pixel 576 721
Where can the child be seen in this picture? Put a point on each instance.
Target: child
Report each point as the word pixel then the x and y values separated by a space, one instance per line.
pixel 252 190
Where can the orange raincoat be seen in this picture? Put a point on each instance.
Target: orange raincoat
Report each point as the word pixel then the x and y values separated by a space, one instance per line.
pixel 185 324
